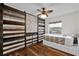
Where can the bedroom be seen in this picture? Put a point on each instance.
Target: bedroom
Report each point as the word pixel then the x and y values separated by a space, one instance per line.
pixel 66 14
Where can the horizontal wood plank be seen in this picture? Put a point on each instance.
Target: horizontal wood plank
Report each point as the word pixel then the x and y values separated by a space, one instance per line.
pixel 13 43
pixel 13 16
pixel 6 34
pixel 13 29
pixel 13 38
pixel 12 22
pixel 13 47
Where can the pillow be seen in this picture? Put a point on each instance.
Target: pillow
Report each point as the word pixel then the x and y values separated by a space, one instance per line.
pixel 76 35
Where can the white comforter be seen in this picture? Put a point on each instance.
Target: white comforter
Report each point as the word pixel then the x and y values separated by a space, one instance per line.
pixel 67 47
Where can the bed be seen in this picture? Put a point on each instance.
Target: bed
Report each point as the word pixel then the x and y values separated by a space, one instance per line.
pixel 62 42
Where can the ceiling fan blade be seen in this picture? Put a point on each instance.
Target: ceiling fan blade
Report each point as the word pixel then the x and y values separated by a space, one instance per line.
pixel 49 11
pixel 39 10
pixel 38 14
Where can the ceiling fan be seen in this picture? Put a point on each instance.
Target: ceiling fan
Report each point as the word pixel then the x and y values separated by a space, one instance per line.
pixel 44 12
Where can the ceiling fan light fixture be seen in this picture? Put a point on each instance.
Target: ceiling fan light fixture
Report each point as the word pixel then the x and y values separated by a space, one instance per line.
pixel 43 16
pixel 44 13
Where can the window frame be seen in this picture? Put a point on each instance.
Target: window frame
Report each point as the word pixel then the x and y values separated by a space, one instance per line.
pixel 53 23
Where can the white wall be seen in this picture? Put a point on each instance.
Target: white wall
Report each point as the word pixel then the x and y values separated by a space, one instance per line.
pixel 31 23
pixel 70 22
pixel 78 22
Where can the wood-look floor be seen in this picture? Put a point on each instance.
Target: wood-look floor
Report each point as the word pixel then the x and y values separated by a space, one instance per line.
pixel 39 50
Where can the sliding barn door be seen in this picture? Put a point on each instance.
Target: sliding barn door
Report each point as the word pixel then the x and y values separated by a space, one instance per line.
pixel 40 29
pixel 14 29
pixel 31 29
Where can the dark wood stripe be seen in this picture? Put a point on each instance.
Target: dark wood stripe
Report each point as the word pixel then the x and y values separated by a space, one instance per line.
pixel 1 29
pixel 55 22
pixel 41 19
pixel 34 38
pixel 6 34
pixel 25 28
pixel 29 39
pixel 44 27
pixel 12 22
pixel 13 29
pixel 31 34
pixel 13 43
pixel 12 38
pixel 37 28
pixel 41 25
pixel 13 47
pixel 13 15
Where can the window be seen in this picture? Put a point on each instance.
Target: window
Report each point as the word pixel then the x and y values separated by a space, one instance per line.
pixel 55 27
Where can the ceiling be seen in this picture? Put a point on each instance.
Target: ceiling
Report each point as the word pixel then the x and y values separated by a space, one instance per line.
pixel 59 8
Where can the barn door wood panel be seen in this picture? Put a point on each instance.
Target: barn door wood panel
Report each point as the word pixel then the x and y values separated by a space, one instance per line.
pixel 1 29
pixel 14 29
pixel 40 29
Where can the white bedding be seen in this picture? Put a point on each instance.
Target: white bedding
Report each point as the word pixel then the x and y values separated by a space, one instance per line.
pixel 67 47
